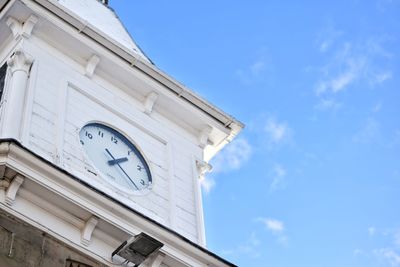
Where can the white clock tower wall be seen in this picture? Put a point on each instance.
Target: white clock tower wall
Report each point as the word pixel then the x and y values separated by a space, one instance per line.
pixel 70 74
pixel 60 78
pixel 61 100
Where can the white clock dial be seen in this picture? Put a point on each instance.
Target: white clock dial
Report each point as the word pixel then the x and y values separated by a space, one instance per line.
pixel 119 161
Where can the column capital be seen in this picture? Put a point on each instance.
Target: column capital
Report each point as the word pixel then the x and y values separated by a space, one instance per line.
pixel 20 61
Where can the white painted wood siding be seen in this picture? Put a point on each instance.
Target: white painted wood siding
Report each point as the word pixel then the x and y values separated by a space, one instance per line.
pixel 61 100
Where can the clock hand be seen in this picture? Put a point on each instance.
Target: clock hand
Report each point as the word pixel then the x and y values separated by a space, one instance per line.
pixel 116 161
pixel 109 153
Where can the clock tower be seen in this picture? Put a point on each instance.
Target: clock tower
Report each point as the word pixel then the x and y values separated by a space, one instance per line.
pixel 100 151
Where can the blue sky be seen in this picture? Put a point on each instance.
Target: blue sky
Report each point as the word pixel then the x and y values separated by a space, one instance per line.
pixel 314 178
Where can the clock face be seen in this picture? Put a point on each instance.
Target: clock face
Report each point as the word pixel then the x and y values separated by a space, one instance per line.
pixel 119 161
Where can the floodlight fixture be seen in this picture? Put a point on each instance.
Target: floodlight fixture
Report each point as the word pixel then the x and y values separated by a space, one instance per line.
pixel 138 248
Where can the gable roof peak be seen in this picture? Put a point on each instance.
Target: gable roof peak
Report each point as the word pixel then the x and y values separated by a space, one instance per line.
pixel 100 16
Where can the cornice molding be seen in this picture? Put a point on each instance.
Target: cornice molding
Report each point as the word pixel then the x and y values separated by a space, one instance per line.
pixel 23 29
pixel 48 176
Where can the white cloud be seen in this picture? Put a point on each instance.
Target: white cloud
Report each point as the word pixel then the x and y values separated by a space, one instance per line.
pixel 353 68
pixel 207 183
pixel 379 78
pixel 283 240
pixel 348 76
pixel 257 68
pixel 277 131
pixel 253 240
pixel 377 107
pixel 250 247
pixel 324 46
pixel 358 252
pixel 276 228
pixel 233 156
pixel 389 255
pixel 371 231
pixel 327 38
pixel 364 63
pixel 278 177
pixel 255 71
pixel 369 132
pixel 396 239
pixel 328 104
pixel 273 225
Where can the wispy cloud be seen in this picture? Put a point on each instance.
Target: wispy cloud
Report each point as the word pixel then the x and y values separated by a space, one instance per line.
pixel 371 230
pixel 257 68
pixel 369 131
pixel 358 252
pixel 233 156
pixel 344 68
pixel 377 107
pixel 350 62
pixel 273 225
pixel 324 45
pixel 277 132
pixel 328 104
pixel 327 38
pixel 277 228
pixel 389 255
pixel 396 238
pixel 254 72
pixel 278 177
pixel 249 248
pixel 207 183
pixel 378 78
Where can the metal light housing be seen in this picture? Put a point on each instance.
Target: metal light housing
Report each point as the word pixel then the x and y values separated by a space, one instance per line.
pixel 138 248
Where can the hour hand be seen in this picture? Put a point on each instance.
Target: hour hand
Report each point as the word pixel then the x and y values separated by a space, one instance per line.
pixel 116 161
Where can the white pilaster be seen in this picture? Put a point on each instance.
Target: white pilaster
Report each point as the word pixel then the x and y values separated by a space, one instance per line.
pixel 172 185
pixel 19 65
pixel 200 167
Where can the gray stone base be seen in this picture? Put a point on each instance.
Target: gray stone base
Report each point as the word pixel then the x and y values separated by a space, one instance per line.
pixel 22 245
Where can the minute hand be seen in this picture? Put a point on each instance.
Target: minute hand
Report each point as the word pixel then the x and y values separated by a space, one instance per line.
pixel 109 153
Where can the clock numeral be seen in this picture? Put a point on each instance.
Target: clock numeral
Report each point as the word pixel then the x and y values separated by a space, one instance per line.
pixel 89 135
pixel 101 134
pixel 142 181
pixel 139 168
pixel 114 140
pixel 82 142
